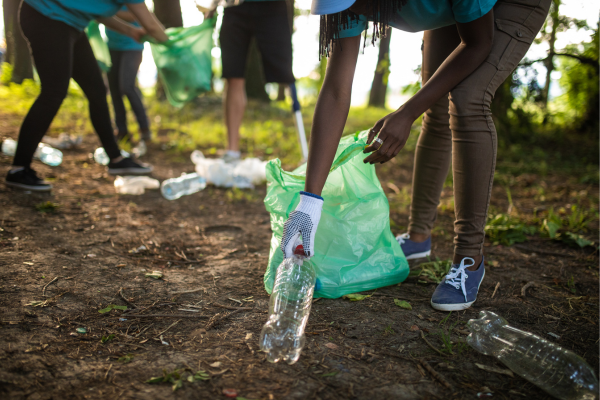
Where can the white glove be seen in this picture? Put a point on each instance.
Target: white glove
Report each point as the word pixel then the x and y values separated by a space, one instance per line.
pixel 303 221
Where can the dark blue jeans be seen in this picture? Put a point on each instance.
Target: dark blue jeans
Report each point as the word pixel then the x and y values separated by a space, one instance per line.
pixel 121 80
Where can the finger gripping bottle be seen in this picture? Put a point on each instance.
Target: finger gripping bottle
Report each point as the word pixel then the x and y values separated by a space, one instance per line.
pixel 560 372
pixel 282 337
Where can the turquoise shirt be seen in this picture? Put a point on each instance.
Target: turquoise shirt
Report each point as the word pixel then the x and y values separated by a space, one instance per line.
pixel 119 42
pixel 422 15
pixel 78 13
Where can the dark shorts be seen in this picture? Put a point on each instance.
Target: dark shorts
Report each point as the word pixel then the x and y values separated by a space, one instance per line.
pixel 267 21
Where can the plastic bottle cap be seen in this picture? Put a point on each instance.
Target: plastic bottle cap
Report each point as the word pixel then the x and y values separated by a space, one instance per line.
pixel 299 250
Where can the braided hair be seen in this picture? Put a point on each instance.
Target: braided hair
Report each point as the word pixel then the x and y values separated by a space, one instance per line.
pixel 382 11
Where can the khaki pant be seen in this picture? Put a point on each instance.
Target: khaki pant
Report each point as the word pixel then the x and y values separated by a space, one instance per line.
pixel 459 126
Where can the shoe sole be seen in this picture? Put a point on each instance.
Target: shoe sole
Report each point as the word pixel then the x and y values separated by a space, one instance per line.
pixel 129 171
pixel 27 187
pixel 419 255
pixel 458 306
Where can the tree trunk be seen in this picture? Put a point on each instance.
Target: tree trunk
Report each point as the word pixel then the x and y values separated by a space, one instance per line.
pixel 549 62
pixel 168 13
pixel 382 72
pixel 255 79
pixel 17 49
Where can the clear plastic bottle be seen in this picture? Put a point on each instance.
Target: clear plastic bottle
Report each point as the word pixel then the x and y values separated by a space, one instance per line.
pixel 282 337
pixel 560 372
pixel 135 185
pixel 45 153
pixel 186 184
pixel 101 157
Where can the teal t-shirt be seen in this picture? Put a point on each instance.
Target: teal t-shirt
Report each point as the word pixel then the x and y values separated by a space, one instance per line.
pixel 422 15
pixel 78 13
pixel 119 42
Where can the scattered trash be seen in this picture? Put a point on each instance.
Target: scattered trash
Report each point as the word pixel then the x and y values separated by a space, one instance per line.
pixel 112 307
pixel 139 250
pixel 64 141
pixel 282 337
pixel 45 153
pixel 155 275
pixel 356 296
pixel 81 331
pixel 242 174
pixel 135 185
pixel 560 372
pixel 27 263
pixel 216 364
pixel 162 341
pixel 91 255
pixel 482 395
pixel 186 184
pixel 554 335
pixel 230 392
pixel 122 319
pixel 101 158
pixel 248 336
pixel 140 150
pixel 403 304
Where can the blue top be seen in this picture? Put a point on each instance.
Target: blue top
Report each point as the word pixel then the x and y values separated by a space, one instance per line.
pixel 78 13
pixel 422 15
pixel 120 42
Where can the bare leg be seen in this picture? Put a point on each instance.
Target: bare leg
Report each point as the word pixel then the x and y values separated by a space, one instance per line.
pixel 234 107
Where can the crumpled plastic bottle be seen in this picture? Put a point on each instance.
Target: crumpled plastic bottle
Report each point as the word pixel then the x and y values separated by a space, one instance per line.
pixel 559 372
pixel 186 184
pixel 282 337
pixel 135 185
pixel 101 157
pixel 45 153
pixel 242 174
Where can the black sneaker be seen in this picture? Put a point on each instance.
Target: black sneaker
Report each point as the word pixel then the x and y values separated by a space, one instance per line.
pixel 128 167
pixel 27 179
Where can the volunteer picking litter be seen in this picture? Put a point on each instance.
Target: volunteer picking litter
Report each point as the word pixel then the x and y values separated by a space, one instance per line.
pixel 469 48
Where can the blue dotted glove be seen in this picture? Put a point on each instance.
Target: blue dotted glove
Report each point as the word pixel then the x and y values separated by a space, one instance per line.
pixel 302 222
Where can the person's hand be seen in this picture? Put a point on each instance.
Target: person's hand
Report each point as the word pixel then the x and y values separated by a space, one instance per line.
pixel 209 14
pixel 303 221
pixel 137 33
pixel 392 132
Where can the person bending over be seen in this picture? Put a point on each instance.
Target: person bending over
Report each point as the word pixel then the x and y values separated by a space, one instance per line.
pixel 469 48
pixel 60 49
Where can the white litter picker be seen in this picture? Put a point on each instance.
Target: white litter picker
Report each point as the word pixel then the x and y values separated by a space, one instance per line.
pixel 299 122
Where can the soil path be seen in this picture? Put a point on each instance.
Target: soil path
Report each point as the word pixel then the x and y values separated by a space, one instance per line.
pixel 58 269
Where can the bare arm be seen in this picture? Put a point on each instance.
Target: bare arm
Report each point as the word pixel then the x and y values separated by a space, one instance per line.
pixel 124 28
pixel 125 16
pixel 148 20
pixel 331 112
pixel 476 43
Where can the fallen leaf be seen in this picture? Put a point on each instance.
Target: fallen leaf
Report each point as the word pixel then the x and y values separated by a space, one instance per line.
pixel 414 328
pixel 111 307
pixel 332 346
pixel 27 263
pixel 155 275
pixel 403 304
pixel 248 336
pixel 216 364
pixel 419 316
pixel 495 370
pixel 230 392
pixel 356 296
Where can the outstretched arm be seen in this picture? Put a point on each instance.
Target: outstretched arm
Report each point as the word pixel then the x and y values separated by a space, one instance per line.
pixel 476 43
pixel 331 112
pixel 148 20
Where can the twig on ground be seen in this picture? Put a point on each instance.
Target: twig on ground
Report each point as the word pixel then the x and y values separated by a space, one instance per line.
pixel 107 371
pixel 495 289
pixel 152 306
pixel 546 253
pixel 167 316
pixel 230 307
pixel 435 374
pixel 189 291
pixel 153 259
pixel 430 345
pixel 527 286
pixel 213 321
pixel 125 300
pixel 48 284
pixel 170 326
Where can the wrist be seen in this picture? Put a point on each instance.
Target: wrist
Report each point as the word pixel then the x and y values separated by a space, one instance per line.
pixel 316 196
pixel 310 203
pixel 412 109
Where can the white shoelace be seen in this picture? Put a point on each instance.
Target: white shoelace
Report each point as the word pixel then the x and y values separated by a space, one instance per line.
pixel 458 276
pixel 402 238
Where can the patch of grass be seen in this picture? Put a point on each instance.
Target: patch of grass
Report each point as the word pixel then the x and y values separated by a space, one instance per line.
pixel 388 331
pixel 571 285
pixel 107 338
pixel 444 333
pixel 433 270
pixel 236 195
pixel 127 358
pixel 177 377
pixel 47 207
pixel 567 227
pixel 507 230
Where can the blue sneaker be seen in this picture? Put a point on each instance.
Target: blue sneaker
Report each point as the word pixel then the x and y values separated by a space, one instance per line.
pixel 458 290
pixel 413 250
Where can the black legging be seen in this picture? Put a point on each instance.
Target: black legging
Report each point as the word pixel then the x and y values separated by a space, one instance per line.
pixel 60 52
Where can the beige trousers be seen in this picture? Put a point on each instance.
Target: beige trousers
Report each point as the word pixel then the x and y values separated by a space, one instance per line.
pixel 459 127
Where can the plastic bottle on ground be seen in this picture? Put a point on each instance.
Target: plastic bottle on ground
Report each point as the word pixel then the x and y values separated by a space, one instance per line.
pixel 48 155
pixel 101 157
pixel 140 150
pixel 186 184
pixel 135 185
pixel 282 337
pixel 9 147
pixel 560 372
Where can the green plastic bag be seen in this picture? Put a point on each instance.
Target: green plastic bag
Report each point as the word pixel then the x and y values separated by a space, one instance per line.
pixel 99 46
pixel 184 62
pixel 354 247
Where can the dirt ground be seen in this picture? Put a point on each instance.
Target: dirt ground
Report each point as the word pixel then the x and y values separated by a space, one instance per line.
pixel 207 311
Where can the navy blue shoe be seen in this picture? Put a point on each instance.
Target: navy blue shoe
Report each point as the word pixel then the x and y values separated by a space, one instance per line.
pixel 458 290
pixel 413 250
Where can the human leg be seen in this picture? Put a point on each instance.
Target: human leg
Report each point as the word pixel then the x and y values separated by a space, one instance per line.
pixel 117 95
pixel 88 76
pixel 130 65
pixel 234 107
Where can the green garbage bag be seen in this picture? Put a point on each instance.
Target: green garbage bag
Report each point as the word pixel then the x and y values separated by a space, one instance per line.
pixel 99 46
pixel 184 62
pixel 354 247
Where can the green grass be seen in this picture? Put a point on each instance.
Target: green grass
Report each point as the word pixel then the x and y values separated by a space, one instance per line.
pixel 433 270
